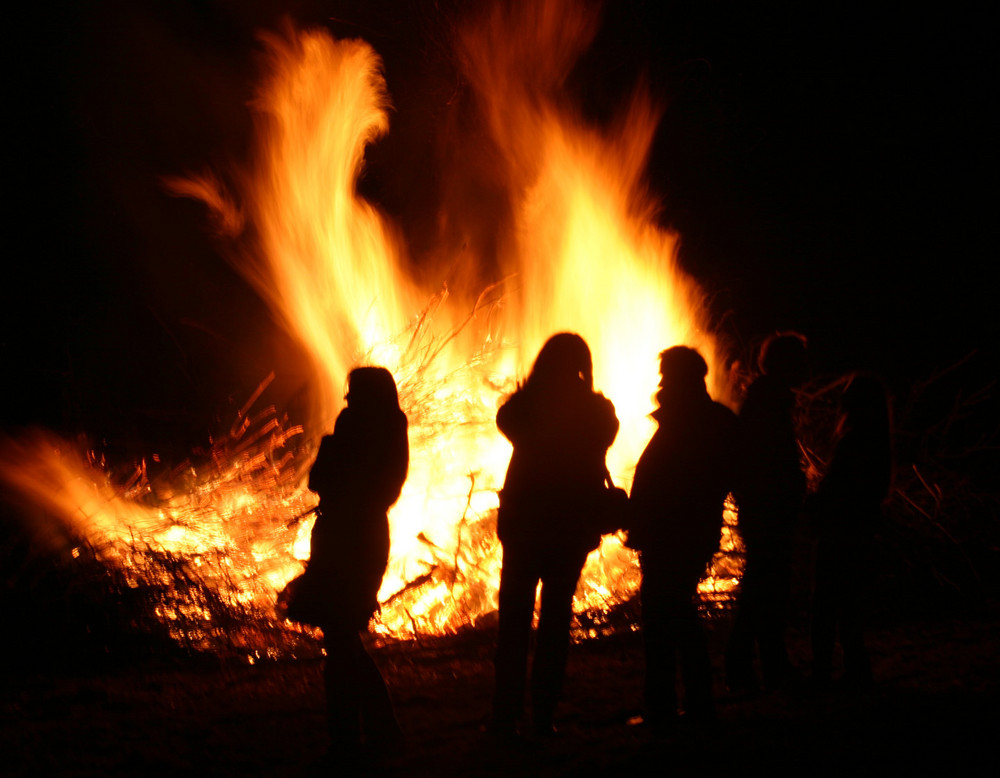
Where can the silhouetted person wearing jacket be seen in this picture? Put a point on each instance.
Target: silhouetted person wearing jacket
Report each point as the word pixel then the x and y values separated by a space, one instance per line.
pixel 561 430
pixel 770 487
pixel 845 511
pixel 358 474
pixel 681 482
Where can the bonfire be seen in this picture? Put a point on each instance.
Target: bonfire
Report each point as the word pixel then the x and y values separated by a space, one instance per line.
pixel 225 530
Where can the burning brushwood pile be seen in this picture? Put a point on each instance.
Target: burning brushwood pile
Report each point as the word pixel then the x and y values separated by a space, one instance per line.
pixel 227 529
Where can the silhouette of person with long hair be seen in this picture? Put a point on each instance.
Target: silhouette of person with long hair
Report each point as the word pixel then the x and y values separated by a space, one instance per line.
pixel 358 474
pixel 770 488
pixel 681 482
pixel 845 512
pixel 561 430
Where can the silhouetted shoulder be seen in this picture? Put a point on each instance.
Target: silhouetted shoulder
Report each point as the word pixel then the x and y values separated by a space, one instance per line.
pixel 365 457
pixel 766 399
pixel 527 414
pixel 860 472
pixel 724 418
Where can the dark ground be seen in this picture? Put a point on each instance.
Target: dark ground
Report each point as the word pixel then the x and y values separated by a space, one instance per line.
pixel 936 708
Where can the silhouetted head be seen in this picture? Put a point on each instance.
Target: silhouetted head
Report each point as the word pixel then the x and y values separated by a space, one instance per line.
pixel 682 371
pixel 563 361
pixel 783 357
pixel 371 389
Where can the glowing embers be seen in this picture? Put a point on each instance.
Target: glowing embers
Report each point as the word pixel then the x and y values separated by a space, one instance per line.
pixel 202 547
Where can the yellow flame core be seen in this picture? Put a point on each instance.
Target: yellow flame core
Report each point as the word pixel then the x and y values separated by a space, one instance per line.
pixel 587 257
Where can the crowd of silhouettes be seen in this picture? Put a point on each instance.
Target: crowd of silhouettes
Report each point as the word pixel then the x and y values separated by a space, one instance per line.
pixel 555 506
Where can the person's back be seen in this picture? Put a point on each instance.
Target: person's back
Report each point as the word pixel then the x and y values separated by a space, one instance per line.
pixel 860 472
pixel 681 482
pixel 770 488
pixel 557 466
pixel 770 478
pixel 358 474
pixel 845 511
pixel 560 429
pixel 683 477
pixel 365 460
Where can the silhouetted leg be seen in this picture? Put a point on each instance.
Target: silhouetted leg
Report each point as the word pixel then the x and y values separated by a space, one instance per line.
pixel 825 608
pixel 342 693
pixel 696 665
pixel 740 675
pixel 857 665
pixel 377 716
pixel 674 580
pixel 518 582
pixel 659 640
pixel 774 581
pixel 552 649
pixel 824 624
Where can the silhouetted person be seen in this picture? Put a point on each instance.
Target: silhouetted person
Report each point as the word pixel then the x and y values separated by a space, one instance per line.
pixel 358 475
pixel 681 483
pixel 561 430
pixel 770 487
pixel 845 510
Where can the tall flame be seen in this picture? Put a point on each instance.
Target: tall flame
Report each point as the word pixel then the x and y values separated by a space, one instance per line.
pixel 586 255
pixel 589 256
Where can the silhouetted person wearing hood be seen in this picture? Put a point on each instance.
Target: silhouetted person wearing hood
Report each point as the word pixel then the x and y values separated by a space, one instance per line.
pixel 770 487
pixel 681 482
pixel 561 430
pixel 358 474
pixel 845 510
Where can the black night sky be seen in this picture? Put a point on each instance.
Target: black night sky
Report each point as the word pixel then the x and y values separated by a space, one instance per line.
pixel 828 169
